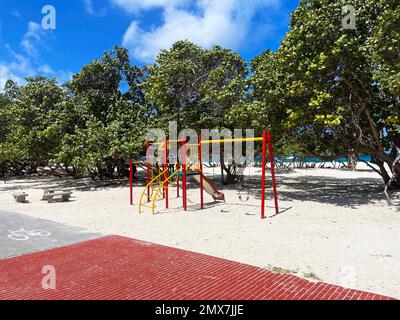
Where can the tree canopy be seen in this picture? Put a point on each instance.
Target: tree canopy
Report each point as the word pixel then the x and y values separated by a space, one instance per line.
pixel 195 87
pixel 327 91
pixel 332 91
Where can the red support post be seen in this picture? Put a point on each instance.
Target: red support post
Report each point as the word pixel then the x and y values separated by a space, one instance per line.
pixel 148 167
pixel 166 174
pixel 131 181
pixel 272 163
pixel 177 182
pixel 184 194
pixel 263 164
pixel 201 175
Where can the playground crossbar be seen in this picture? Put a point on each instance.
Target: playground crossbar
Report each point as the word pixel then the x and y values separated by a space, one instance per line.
pixel 231 140
pixel 213 141
pixel 183 171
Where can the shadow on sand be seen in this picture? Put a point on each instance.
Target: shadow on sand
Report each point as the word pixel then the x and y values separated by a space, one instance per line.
pixel 331 190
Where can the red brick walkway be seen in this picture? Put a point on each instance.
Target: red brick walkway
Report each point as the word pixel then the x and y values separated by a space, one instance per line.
pixel 122 268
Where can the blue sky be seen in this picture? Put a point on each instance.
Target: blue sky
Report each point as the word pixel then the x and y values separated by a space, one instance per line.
pixel 86 28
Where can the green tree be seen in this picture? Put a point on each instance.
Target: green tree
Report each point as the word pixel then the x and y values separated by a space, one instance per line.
pixel 319 90
pixel 111 122
pixel 194 86
pixel 386 45
pixel 33 132
pixel 7 97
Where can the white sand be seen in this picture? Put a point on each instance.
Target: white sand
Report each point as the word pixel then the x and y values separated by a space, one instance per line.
pixel 335 224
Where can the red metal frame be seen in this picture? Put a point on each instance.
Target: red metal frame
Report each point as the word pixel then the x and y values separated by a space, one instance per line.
pixel 272 163
pixel 263 164
pixel 148 173
pixel 131 181
pixel 184 194
pixel 177 181
pixel 201 175
pixel 266 143
pixel 166 173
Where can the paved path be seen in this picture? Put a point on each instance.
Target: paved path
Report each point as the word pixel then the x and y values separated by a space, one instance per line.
pixel 13 242
pixel 122 268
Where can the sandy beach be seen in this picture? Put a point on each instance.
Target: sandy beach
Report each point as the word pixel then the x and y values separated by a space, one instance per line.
pixel 335 225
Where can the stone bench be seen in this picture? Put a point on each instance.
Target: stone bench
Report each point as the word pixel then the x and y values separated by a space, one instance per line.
pixel 63 196
pixel 48 192
pixel 20 197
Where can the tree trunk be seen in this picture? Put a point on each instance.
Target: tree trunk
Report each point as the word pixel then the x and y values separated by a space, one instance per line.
pixel 352 161
pixel 383 172
pixel 394 178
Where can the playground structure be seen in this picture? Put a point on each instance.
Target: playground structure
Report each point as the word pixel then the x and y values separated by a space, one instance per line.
pixel 159 177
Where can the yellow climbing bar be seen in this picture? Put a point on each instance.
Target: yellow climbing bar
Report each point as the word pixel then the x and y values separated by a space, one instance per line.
pixel 160 188
pixel 147 186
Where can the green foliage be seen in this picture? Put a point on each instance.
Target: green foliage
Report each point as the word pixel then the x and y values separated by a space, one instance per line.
pixel 111 123
pixel 33 127
pixel 195 87
pixel 328 90
pixel 93 124
pixel 386 45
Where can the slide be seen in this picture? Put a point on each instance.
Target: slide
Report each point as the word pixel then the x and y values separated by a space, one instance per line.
pixel 210 188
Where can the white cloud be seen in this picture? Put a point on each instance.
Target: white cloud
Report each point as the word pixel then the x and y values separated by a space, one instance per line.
pixel 19 67
pixel 64 76
pixel 6 74
pixel 29 47
pixel 135 6
pixel 205 22
pixel 16 70
pixel 16 14
pixel 89 8
pixel 32 38
pixel 61 75
pixel 46 69
pixel 19 64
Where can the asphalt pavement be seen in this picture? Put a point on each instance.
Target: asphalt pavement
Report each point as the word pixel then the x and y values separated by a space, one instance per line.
pixel 21 234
